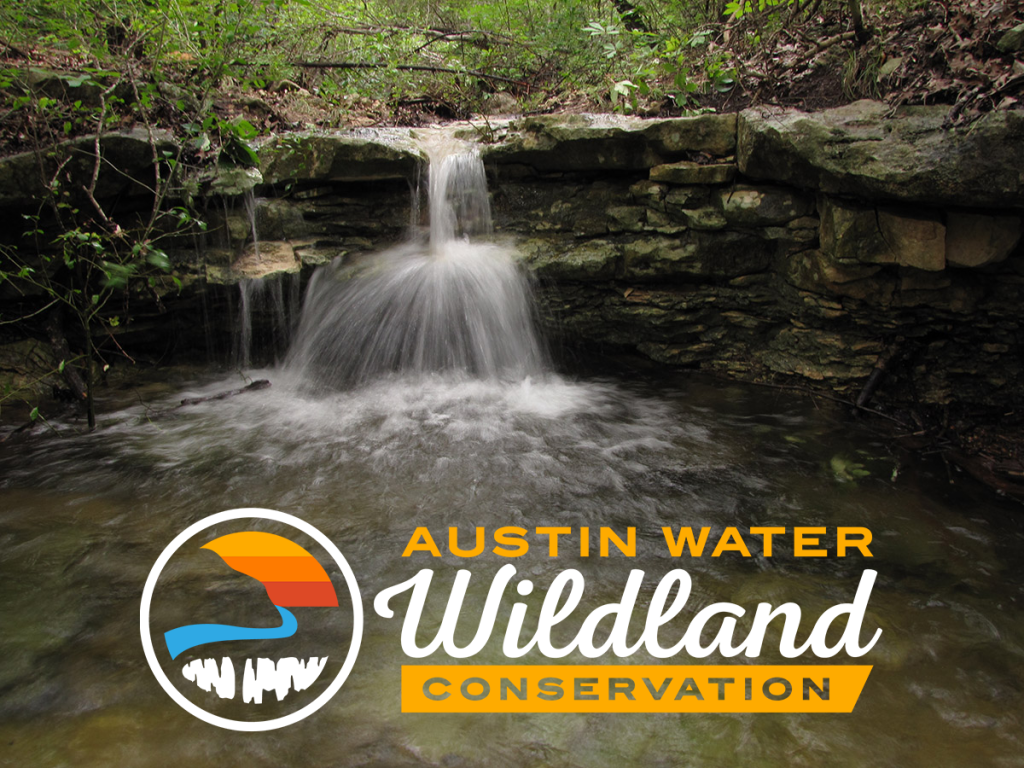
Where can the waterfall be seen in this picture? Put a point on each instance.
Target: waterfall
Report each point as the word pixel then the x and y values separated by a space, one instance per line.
pixel 452 304
pixel 267 315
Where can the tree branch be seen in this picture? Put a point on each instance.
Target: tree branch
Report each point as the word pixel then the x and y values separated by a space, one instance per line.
pixel 404 67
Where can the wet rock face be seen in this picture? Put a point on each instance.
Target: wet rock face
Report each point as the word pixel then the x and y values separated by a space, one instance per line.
pixel 772 243
pixel 831 238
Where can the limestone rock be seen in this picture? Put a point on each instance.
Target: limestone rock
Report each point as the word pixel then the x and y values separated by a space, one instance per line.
pixel 663 257
pixel 687 197
pixel 351 156
pixel 278 219
pixel 715 134
pixel 269 258
pixel 703 218
pixel 862 151
pixel 593 260
pixel 820 355
pixel 233 180
pixel 696 254
pixel 126 168
pixel 674 354
pixel 663 223
pixel 605 142
pixel 758 206
pixel 917 241
pixel 852 234
pixel 315 254
pixel 626 218
pixel 27 370
pixel 686 172
pixel 573 143
pixel 812 271
pixel 648 193
pixel 976 240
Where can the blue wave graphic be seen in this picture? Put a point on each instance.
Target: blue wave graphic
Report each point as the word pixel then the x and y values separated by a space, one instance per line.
pixel 181 639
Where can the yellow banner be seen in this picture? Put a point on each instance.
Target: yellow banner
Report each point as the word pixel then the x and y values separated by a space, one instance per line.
pixel 629 688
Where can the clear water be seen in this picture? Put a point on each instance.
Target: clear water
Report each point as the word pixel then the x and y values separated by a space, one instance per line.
pixel 416 394
pixel 83 518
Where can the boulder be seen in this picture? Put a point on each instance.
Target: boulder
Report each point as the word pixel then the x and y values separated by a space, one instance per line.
pixel 862 150
pixel 256 262
pixel 350 156
pixel 127 167
pixel 602 142
pixel 977 240
pixel 853 234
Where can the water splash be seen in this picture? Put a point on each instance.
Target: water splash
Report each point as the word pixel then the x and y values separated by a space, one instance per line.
pixel 452 304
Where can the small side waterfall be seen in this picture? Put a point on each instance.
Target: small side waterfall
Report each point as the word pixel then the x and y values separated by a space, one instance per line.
pixel 450 304
pixel 268 313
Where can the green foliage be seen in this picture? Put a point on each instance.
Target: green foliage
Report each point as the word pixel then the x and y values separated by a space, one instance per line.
pixel 406 50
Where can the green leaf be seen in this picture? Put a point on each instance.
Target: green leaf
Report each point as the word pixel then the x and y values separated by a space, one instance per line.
pixel 34 414
pixel 158 259
pixel 245 130
pixel 60 368
pixel 241 153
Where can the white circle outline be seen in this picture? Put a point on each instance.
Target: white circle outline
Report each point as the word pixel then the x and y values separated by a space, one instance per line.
pixel 239 514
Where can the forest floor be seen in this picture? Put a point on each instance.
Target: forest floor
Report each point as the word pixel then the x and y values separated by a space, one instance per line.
pixel 967 55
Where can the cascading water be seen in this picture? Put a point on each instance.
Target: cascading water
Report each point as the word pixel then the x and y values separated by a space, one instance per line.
pixel 268 313
pixel 450 304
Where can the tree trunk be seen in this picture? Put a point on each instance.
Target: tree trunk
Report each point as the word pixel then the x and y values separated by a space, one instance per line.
pixel 55 331
pixel 857 16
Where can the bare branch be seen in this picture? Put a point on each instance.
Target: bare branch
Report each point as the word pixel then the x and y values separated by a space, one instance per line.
pixel 404 67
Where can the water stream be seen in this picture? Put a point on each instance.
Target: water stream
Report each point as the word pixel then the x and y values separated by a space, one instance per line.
pixel 406 402
pixel 450 303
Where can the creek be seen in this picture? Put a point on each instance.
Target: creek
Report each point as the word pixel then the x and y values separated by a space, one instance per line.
pixel 416 393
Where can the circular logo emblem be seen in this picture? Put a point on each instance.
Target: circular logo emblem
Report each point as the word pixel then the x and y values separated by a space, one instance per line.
pixel 289 602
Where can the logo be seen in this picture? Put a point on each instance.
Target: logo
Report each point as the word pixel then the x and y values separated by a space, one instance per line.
pixel 242 676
